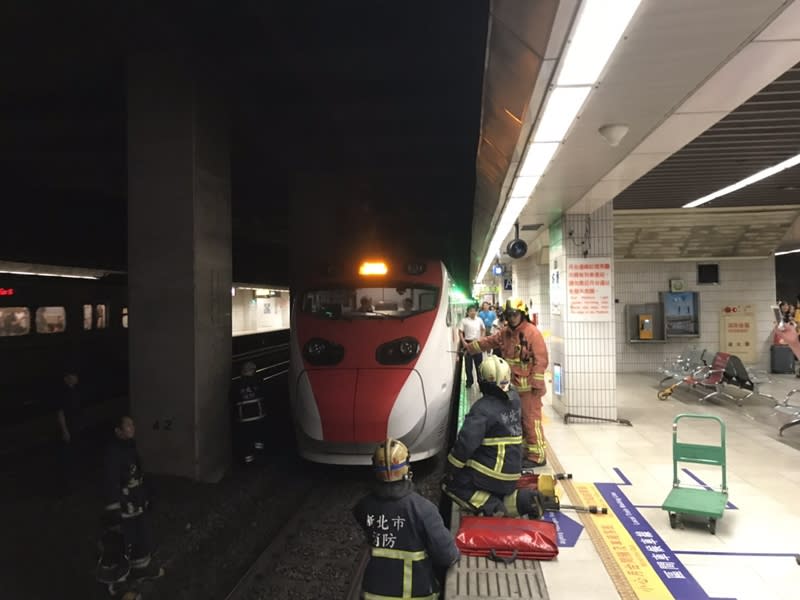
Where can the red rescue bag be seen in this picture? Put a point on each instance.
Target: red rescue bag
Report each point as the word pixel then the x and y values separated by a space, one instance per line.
pixel 502 538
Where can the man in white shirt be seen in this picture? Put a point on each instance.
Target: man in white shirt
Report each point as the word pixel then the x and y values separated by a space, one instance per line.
pixel 472 328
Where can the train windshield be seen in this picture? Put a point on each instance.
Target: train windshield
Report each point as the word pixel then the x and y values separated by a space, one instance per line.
pixel 349 303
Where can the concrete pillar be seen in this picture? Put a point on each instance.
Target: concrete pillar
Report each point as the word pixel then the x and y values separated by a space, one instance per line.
pixel 583 340
pixel 179 264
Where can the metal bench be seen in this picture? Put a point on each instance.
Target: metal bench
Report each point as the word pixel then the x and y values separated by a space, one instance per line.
pixel 793 410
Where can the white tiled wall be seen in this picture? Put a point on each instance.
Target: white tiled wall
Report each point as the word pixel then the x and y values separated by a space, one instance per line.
pixel 741 282
pixel 585 351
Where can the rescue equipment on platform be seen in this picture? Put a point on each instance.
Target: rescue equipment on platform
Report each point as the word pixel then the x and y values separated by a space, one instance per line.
pixel 545 485
pixel 504 539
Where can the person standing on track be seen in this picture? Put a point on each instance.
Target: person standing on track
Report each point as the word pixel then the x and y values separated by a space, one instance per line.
pixel 523 347
pixel 407 537
pixel 249 416
pixel 126 540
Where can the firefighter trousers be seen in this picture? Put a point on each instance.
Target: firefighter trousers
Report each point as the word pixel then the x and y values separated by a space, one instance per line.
pixel 533 434
pixel 520 502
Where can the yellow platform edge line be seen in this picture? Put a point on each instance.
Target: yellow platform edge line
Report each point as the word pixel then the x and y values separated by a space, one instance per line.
pixel 629 570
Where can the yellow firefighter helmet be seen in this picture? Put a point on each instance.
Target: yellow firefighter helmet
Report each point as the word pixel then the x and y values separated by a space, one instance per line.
pixel 495 370
pixel 391 461
pixel 516 304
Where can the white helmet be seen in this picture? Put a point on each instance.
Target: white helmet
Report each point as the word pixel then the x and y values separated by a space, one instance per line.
pixel 495 370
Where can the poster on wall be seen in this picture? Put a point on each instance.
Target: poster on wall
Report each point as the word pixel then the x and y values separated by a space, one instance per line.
pixel 738 332
pixel 589 296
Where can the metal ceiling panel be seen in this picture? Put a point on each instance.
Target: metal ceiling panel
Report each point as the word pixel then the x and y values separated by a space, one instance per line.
pixel 674 234
pixel 762 132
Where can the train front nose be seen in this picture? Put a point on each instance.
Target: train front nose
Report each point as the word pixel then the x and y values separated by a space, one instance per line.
pixel 355 405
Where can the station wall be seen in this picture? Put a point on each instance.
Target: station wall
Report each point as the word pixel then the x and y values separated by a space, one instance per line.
pixel 251 314
pixel 741 282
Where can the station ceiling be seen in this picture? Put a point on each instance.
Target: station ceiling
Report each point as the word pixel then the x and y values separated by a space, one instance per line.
pixel 373 108
pixel 710 93
pixel 390 122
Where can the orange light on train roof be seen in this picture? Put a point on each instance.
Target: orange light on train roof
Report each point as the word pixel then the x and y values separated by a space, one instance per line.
pixel 373 268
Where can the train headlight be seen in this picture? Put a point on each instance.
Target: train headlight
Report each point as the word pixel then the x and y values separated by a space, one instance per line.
pixel 398 352
pixel 321 352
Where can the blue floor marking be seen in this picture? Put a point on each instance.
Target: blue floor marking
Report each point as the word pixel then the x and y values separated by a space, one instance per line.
pixel 722 553
pixel 729 505
pixel 621 475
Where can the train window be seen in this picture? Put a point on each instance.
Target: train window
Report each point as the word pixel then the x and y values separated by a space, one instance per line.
pixel 125 317
pixel 51 319
pixel 87 317
pixel 14 320
pixel 100 316
pixel 396 301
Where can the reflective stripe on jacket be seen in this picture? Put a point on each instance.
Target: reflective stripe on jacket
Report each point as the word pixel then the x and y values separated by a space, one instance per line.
pixel 488 450
pixel 407 538
pixel 524 350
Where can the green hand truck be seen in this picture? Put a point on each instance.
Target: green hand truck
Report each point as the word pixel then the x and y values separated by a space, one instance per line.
pixel 705 503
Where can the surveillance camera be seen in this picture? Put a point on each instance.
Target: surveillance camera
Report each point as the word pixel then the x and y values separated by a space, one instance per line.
pixel 517 248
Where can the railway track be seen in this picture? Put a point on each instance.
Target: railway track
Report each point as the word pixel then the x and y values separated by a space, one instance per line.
pixel 318 552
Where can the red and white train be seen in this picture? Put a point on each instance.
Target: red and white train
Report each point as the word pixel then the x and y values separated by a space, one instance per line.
pixel 373 354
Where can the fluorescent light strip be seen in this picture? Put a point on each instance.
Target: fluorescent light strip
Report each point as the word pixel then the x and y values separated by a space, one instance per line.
pixel 787 252
pixel 49 275
pixel 510 215
pixel 537 158
pixel 599 29
pixel 563 105
pixel 769 171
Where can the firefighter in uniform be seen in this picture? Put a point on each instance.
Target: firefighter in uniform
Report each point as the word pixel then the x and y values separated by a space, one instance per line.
pixel 406 534
pixel 249 432
pixel 126 541
pixel 486 460
pixel 523 347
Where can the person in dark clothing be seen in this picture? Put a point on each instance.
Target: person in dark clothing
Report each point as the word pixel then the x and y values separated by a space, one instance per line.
pixel 406 534
pixel 69 414
pixel 249 416
pixel 126 541
pixel 486 460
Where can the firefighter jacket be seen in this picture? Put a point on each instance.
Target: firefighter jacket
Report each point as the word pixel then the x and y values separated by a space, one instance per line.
pixel 248 400
pixel 124 480
pixel 487 454
pixel 407 539
pixel 524 349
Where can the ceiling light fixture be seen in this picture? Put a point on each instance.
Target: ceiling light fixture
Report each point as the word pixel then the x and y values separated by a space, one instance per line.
pixel 600 26
pixel 787 252
pixel 537 158
pixel 598 29
pixel 559 113
pixel 37 274
pixel 768 172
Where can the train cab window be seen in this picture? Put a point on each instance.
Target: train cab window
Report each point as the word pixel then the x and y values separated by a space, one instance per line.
pixel 87 317
pixel 100 316
pixel 51 319
pixel 399 301
pixel 125 317
pixel 14 320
